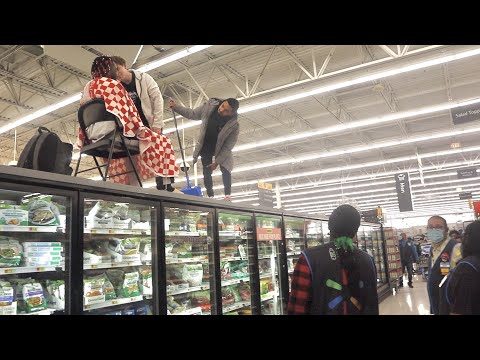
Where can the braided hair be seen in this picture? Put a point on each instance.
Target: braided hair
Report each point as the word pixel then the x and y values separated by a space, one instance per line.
pixel 343 224
pixel 102 67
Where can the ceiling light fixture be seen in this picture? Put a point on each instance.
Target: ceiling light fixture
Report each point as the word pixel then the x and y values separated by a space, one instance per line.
pixel 75 98
pixel 344 84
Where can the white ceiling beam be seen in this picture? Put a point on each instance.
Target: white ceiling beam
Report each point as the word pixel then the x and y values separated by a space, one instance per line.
pixel 305 82
pixel 351 167
pixel 325 63
pixel 420 166
pixel 231 81
pixel 448 85
pixel 405 49
pixel 257 80
pixel 196 83
pixel 388 51
pixel 176 95
pixel 297 62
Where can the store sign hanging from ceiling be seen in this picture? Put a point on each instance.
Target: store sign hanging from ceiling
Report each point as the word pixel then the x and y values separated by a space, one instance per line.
pixel 404 195
pixel 464 114
pixel 467 173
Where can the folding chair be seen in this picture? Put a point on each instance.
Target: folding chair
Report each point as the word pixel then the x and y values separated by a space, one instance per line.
pixel 113 146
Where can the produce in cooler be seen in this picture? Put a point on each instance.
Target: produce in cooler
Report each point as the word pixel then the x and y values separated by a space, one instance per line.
pixel 43 212
pixel 10 252
pixel 6 293
pixel 188 246
pixel 270 244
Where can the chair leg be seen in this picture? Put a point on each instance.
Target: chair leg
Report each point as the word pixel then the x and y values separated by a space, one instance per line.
pixel 78 163
pixel 98 166
pixel 131 161
pixel 110 154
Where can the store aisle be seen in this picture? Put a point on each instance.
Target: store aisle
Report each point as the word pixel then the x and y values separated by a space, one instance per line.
pixel 408 301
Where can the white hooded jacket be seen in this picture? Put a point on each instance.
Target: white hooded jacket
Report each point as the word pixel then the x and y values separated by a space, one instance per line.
pixel 151 98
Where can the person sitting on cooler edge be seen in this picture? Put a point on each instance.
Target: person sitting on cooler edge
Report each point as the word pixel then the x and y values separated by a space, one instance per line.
pixel 144 92
pixel 218 135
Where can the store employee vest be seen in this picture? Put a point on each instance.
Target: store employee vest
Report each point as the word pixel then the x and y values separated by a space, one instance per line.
pixel 446 292
pixel 335 292
pixel 436 274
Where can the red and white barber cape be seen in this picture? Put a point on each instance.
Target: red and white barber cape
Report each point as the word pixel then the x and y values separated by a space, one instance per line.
pixel 156 157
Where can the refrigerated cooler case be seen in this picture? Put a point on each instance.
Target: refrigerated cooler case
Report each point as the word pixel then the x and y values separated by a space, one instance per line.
pixel 35 228
pixel 325 232
pixel 370 240
pixel 270 254
pixel 295 242
pixel 189 260
pixel 237 262
pixel 313 232
pixel 118 256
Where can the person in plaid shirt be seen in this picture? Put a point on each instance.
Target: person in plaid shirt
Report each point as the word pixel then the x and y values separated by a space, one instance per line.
pixel 335 278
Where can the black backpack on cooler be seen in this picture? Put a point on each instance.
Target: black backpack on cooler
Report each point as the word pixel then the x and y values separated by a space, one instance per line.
pixel 45 151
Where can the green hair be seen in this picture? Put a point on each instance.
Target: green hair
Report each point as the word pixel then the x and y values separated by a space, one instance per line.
pixel 344 242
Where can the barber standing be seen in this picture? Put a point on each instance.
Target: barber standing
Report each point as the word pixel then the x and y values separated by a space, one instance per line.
pixel 218 135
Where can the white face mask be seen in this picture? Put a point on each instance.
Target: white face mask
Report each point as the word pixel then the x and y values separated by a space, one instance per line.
pixel 435 235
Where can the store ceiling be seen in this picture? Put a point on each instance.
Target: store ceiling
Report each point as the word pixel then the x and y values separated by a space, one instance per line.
pixel 313 146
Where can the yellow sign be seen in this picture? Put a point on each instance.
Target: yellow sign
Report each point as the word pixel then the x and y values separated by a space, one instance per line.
pixel 266 186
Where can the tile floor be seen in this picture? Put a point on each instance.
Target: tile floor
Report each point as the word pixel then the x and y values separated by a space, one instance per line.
pixel 408 301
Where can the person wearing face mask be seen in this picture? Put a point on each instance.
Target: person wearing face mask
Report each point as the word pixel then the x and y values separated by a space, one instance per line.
pixel 445 255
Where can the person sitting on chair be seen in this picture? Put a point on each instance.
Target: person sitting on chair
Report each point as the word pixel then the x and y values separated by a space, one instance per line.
pixel 156 157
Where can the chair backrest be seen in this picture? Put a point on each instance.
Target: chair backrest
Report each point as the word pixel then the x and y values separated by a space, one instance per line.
pixel 92 112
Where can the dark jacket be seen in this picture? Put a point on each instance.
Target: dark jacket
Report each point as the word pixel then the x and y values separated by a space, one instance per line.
pixel 334 286
pixel 408 253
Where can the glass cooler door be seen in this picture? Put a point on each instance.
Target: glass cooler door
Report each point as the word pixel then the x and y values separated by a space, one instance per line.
pixel 313 232
pixel 269 238
pixel 236 262
pixel 295 242
pixel 189 260
pixel 118 254
pixel 35 233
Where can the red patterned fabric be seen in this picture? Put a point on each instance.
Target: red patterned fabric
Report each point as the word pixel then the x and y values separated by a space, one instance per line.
pixel 156 157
